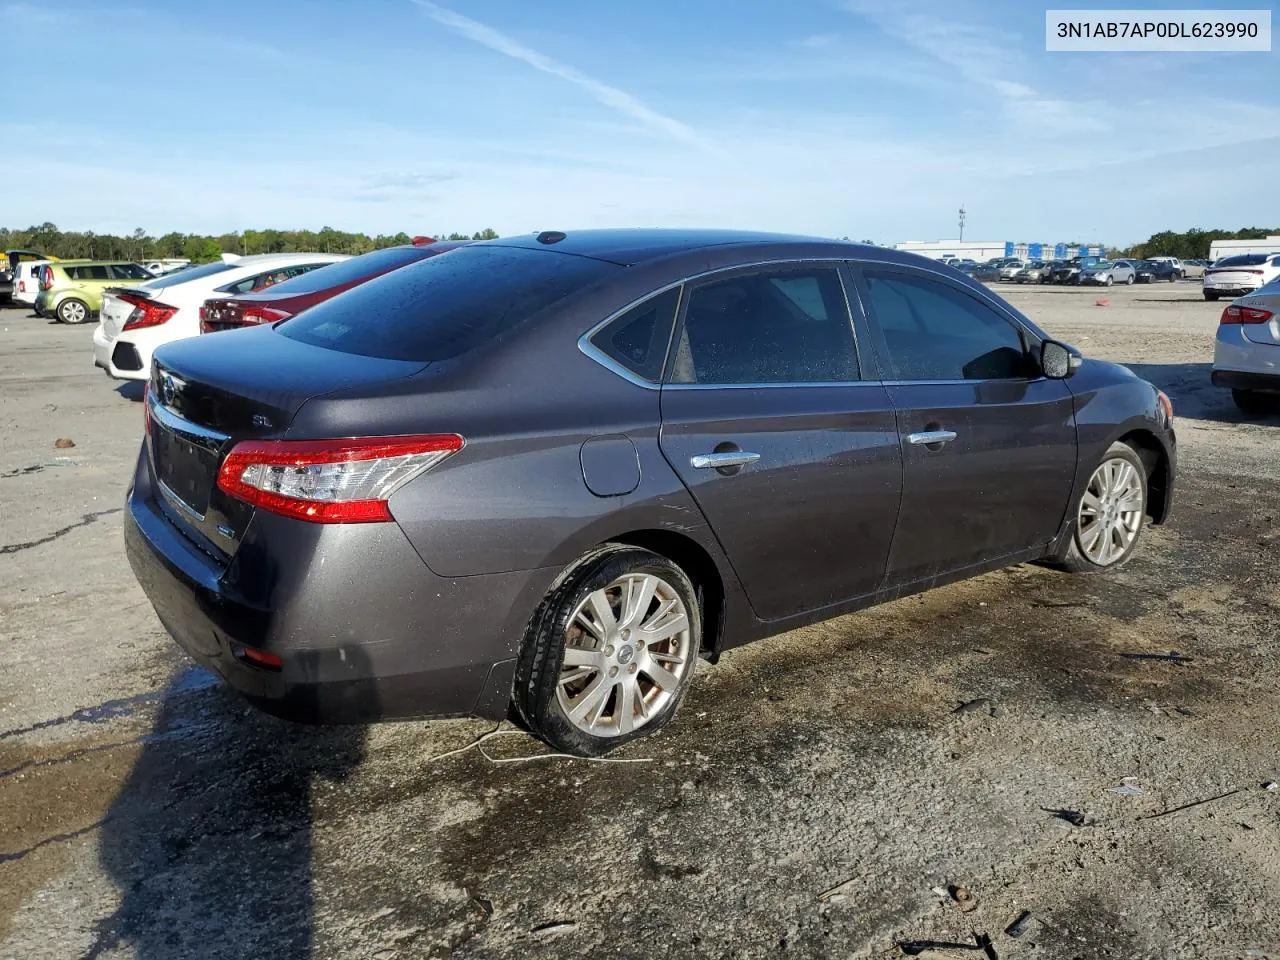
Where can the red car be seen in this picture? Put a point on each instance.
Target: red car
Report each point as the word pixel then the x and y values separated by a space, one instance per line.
pixel 291 297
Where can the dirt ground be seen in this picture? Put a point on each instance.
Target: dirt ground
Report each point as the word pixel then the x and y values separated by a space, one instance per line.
pixel 818 796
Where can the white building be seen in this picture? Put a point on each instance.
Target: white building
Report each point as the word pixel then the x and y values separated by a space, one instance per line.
pixel 983 250
pixel 979 250
pixel 1229 248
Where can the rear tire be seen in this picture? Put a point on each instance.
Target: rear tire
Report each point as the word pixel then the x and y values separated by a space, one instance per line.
pixel 73 311
pixel 1103 533
pixel 621 685
pixel 1130 280
pixel 1254 403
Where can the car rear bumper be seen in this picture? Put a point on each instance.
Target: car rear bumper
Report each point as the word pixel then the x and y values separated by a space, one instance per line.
pixel 1234 286
pixel 1240 380
pixel 363 629
pixel 1242 364
pixel 101 347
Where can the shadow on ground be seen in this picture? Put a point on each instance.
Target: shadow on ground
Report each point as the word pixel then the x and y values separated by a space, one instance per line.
pixel 210 838
pixel 1194 396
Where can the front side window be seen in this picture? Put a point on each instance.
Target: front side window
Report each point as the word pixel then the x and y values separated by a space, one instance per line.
pixel 783 325
pixel 933 331
pixel 637 340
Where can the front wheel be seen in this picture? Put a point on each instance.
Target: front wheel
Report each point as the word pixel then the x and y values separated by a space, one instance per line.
pixel 1109 514
pixel 72 310
pixel 610 652
pixel 1110 280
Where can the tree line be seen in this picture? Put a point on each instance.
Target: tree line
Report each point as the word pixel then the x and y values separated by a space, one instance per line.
pixel 202 248
pixel 1193 244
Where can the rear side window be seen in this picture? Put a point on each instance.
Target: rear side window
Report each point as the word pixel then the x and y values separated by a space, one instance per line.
pixel 638 339
pixel 195 273
pixel 336 274
pixel 933 331
pixel 781 325
pixel 128 271
pixel 269 278
pixel 446 305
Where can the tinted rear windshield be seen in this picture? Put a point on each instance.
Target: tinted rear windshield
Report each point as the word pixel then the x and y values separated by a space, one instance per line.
pixel 335 275
pixel 188 273
pixel 446 305
pixel 1244 260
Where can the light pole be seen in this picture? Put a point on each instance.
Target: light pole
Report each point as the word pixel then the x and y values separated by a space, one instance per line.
pixel 962 223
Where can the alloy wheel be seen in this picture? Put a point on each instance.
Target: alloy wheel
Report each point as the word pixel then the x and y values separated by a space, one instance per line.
pixel 1111 511
pixel 628 652
pixel 72 311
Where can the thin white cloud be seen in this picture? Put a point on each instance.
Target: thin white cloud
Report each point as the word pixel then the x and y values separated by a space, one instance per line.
pixel 26 14
pixel 610 96
pixel 816 41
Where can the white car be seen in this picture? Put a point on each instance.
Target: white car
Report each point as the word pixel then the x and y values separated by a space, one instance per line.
pixel 1246 351
pixel 26 282
pixel 1240 274
pixel 134 321
pixel 161 267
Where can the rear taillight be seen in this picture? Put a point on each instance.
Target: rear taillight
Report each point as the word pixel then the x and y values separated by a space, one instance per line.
pixel 46 278
pixel 146 313
pixel 330 481
pixel 1237 314
pixel 259 315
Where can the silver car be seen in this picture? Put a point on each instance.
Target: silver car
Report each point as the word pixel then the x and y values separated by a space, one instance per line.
pixel 1009 269
pixel 1107 272
pixel 1246 352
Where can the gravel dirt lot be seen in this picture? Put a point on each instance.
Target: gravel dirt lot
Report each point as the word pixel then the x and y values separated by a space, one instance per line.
pixel 817 796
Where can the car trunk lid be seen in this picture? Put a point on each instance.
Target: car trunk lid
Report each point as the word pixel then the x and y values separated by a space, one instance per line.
pixel 203 400
pixel 1268 332
pixel 115 310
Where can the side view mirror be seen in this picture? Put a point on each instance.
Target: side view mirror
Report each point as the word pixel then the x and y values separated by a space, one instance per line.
pixel 1059 361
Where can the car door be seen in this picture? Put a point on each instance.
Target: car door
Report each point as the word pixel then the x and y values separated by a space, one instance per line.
pixel 989 444
pixel 791 456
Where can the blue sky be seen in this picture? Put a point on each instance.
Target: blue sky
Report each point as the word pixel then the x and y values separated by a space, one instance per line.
pixel 831 117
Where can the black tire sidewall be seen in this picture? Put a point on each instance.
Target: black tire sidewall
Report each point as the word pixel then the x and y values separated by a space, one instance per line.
pixel 58 313
pixel 1077 555
pixel 542 653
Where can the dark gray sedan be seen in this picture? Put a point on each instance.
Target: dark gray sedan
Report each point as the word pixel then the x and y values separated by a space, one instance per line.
pixel 548 473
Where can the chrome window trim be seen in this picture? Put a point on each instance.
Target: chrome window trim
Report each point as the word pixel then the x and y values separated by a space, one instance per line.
pixel 590 350
pixel 211 440
pixel 178 502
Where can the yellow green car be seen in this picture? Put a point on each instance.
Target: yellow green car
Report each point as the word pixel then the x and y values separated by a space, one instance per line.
pixel 71 290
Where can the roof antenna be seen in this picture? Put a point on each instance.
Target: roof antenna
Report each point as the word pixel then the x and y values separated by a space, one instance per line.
pixel 550 236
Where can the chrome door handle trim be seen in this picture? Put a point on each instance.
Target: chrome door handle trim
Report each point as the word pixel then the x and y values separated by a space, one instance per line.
pixel 731 458
pixel 931 436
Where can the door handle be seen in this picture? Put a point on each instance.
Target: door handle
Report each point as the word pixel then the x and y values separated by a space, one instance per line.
pixel 717 461
pixel 929 437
